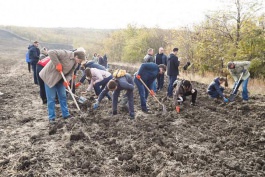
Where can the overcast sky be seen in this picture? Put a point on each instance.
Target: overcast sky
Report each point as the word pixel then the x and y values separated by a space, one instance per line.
pixel 105 14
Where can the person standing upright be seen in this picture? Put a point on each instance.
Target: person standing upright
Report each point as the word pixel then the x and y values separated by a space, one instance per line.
pixel 149 56
pixel 34 55
pixel 150 59
pixel 160 58
pixel 95 58
pixel 172 70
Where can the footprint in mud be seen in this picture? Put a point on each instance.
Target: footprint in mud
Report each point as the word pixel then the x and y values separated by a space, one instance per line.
pixel 52 129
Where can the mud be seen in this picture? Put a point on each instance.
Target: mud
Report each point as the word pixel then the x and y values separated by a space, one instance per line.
pixel 209 139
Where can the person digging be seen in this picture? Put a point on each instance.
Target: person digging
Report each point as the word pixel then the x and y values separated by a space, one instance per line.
pixel 144 79
pixel 63 63
pixel 215 90
pixel 182 89
pixel 240 74
pixel 122 82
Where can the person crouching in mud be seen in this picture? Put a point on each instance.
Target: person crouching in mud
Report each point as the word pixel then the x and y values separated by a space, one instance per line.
pixel 183 88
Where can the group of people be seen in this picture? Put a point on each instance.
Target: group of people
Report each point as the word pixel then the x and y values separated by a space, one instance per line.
pixel 149 79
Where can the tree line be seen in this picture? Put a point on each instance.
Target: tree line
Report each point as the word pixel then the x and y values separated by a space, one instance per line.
pixel 237 33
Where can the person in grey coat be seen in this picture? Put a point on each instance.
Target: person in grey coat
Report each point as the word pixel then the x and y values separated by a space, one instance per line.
pixel 62 61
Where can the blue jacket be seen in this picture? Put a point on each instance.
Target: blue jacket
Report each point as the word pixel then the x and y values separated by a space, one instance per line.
pixel 34 54
pixel 215 87
pixel 172 65
pixel 91 64
pixel 148 72
pixel 161 59
pixel 123 83
pixel 27 57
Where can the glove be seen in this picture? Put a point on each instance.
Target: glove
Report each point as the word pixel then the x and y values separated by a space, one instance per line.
pixel 66 84
pixel 77 84
pixel 59 67
pixel 95 105
pixel 74 77
pixel 152 92
pixel 225 100
pixel 244 71
pixel 138 76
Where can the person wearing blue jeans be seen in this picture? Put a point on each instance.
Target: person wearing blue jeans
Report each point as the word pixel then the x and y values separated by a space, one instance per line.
pixel 237 68
pixel 172 71
pixel 215 90
pixel 147 73
pixel 59 88
pixel 62 62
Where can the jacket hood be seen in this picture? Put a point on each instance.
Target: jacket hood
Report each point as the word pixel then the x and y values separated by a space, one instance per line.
pixel 30 46
pixel 216 80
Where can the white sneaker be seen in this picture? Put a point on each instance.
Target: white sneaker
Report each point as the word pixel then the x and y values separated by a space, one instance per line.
pixel 245 100
pixel 1 93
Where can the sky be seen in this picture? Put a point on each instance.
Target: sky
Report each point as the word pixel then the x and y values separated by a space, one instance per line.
pixel 105 14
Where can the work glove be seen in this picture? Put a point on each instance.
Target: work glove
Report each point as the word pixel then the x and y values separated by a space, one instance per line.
pixel 59 67
pixel 226 100
pixel 138 76
pixel 244 71
pixel 152 92
pixel 66 84
pixel 74 77
pixel 77 84
pixel 180 99
pixel 96 105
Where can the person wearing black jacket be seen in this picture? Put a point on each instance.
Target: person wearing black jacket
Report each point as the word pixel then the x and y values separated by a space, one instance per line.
pixel 34 55
pixel 160 58
pixel 172 70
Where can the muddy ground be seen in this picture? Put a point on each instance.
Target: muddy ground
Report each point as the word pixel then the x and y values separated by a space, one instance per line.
pixel 210 139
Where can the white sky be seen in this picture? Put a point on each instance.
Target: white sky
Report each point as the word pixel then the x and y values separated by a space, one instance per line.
pixel 105 14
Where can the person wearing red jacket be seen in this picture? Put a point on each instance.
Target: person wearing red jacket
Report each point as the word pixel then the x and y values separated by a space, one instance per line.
pixel 39 67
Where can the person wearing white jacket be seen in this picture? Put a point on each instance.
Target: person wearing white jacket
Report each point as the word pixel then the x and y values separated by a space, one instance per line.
pixel 98 80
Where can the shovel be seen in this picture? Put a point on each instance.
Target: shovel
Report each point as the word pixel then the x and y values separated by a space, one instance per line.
pixel 234 92
pixel 70 91
pixel 164 107
pixel 81 99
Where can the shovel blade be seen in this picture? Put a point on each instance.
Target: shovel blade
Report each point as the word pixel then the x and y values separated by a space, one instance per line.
pixel 164 109
pixel 232 97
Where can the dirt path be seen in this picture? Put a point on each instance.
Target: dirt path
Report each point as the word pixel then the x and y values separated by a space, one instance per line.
pixel 211 139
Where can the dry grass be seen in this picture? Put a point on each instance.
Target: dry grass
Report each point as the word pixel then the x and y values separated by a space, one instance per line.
pixel 255 86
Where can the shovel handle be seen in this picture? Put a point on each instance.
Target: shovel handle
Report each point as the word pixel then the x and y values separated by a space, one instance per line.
pixel 70 91
pixel 150 91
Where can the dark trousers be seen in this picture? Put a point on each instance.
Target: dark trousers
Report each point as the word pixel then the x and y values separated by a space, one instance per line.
pixel 98 87
pixel 41 84
pixel 160 81
pixel 34 73
pixel 29 67
pixel 193 96
pixel 170 85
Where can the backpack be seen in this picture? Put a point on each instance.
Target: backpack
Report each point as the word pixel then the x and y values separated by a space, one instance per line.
pixel 119 73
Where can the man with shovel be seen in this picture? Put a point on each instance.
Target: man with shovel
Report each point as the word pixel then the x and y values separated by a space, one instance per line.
pixel 240 74
pixel 144 78
pixel 63 63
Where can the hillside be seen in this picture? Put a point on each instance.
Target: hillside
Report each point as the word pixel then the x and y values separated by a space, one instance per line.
pixel 90 39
